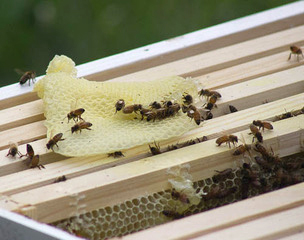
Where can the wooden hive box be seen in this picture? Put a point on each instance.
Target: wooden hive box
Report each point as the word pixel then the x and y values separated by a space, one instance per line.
pixel 246 61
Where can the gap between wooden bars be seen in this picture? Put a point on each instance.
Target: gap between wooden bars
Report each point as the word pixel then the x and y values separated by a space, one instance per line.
pixel 146 176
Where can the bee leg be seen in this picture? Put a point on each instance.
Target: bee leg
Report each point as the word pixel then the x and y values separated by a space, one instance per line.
pixel 229 144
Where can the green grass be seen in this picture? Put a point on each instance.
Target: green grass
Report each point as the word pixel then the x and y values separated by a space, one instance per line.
pixel 34 31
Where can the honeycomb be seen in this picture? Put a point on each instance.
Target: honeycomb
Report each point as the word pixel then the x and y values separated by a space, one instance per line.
pixel 62 93
pixel 161 207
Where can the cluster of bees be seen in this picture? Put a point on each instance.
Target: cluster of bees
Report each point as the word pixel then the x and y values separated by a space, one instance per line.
pixel 243 148
pixel 32 159
pixel 290 114
pixel 165 109
pixel 268 172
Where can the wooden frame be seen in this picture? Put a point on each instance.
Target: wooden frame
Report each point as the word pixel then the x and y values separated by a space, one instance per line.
pixel 261 42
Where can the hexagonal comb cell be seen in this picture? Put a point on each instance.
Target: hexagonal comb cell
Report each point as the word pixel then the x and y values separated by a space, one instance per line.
pixel 147 211
pixel 111 131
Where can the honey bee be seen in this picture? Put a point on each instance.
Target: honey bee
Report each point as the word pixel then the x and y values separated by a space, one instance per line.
pixel 172 214
pixel 218 192
pixel 116 154
pixel 60 179
pixel 172 109
pixel 75 115
pixel 81 125
pixel 187 143
pixel 262 124
pixel 208 93
pixel 29 151
pixel 296 51
pixel 232 109
pixel 227 139
pixel 120 104
pixel 251 176
pixel 193 113
pixel 211 102
pixel 155 150
pixel 34 162
pixel 53 141
pixel 270 157
pixel 187 99
pixel 13 150
pixel 26 76
pixel 263 163
pixel 256 133
pixel 155 105
pixel 132 108
pixel 242 149
pixel 298 112
pixel 222 175
pixel 180 196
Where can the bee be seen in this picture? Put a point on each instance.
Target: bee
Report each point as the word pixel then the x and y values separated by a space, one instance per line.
pixel 34 162
pixel 256 133
pixel 75 115
pixel 232 109
pixel 222 175
pixel 120 104
pixel 13 150
pixel 270 157
pixel 193 113
pixel 227 139
pixel 262 124
pixel 167 103
pixel 172 214
pixel 155 150
pixel 187 143
pixel 132 108
pixel 81 125
pixel 209 115
pixel 26 76
pixel 208 93
pixel 284 115
pixel 60 179
pixel 241 149
pixel 180 196
pixel 251 175
pixel 296 51
pixel 211 102
pixel 218 192
pixel 53 141
pixel 172 109
pixel 116 154
pixel 263 163
pixel 187 99
pixel 144 112
pixel 155 105
pixel 29 151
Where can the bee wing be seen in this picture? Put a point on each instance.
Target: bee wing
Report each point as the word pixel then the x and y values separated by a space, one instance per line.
pixel 19 71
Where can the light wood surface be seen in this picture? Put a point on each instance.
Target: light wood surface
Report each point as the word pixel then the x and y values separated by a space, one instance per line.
pixel 246 61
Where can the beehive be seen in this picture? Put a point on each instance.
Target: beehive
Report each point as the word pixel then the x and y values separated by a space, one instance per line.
pixel 248 67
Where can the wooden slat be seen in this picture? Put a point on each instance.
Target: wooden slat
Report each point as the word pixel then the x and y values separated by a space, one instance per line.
pixel 249 70
pixel 271 227
pixel 149 175
pixel 271 87
pixel 214 60
pixel 239 121
pixel 259 24
pixel 23 134
pixel 33 111
pixel 21 115
pixel 224 57
pixel 246 211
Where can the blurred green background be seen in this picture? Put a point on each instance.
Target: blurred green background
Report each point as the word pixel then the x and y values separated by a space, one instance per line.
pixel 33 31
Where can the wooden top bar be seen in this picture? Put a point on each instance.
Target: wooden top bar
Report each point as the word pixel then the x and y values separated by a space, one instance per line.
pixel 245 60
